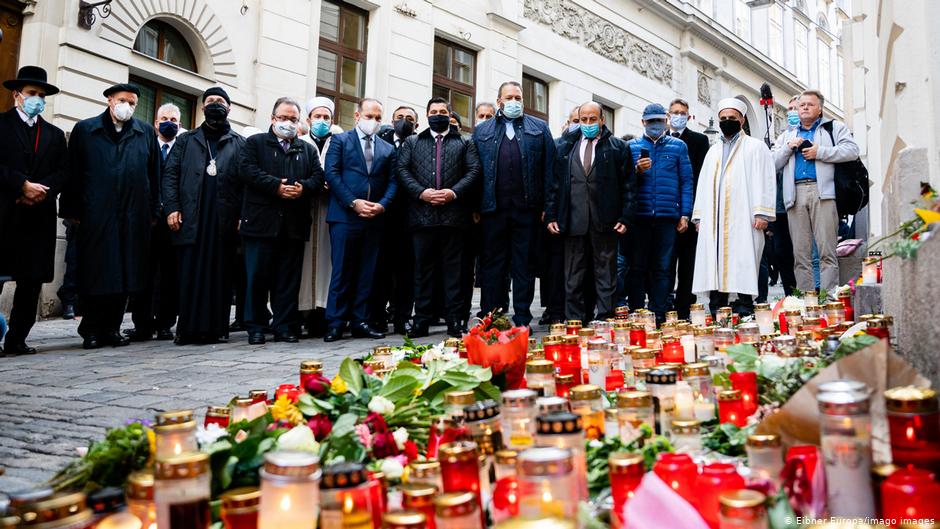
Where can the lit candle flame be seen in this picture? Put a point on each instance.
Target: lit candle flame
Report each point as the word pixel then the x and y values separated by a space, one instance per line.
pixel 348 504
pixel 674 485
pixel 285 503
pixel 546 496
pixel 177 449
pixel 910 433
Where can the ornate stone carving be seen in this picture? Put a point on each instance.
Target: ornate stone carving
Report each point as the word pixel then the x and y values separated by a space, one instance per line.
pixel 601 36
pixel 704 90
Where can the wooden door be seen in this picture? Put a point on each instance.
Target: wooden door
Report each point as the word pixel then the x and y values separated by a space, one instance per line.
pixel 11 23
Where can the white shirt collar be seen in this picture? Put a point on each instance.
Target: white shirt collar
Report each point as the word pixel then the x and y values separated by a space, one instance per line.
pixel 162 143
pixel 436 134
pixel 26 119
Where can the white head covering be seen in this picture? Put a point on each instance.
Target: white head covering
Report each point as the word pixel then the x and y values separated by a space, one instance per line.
pixel 733 102
pixel 316 102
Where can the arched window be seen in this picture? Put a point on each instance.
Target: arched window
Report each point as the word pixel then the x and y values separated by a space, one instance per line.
pixel 165 43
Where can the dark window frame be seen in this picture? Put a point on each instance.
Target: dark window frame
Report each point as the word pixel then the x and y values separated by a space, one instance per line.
pixel 452 85
pixel 340 51
pixel 162 28
pixel 531 110
pixel 159 90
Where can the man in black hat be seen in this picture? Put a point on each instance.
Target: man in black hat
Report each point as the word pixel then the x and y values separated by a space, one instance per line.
pixel 202 200
pixel 114 197
pixel 33 168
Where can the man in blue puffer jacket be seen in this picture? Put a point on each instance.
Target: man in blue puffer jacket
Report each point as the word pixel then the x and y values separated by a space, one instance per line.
pixel 663 207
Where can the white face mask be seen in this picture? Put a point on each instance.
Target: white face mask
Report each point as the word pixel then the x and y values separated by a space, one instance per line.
pixel 123 111
pixel 367 126
pixel 285 129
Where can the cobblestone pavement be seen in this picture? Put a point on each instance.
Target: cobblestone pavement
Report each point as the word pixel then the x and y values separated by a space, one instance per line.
pixel 60 399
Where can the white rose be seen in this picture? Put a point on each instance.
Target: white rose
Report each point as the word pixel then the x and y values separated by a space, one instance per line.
pixel 392 468
pixel 298 438
pixel 400 435
pixel 381 405
pixel 793 303
pixel 206 435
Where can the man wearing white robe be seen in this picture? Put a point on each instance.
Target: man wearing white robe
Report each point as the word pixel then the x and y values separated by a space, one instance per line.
pixel 734 201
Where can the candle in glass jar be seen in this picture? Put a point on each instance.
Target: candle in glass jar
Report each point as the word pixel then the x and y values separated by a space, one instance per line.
pixel 704 341
pixel 404 520
pixel 686 436
pixel 723 338
pixel 845 435
pixel 345 497
pixel 611 423
pixel 457 510
pixel 587 401
pixel 848 310
pixel 540 377
pixel 552 404
pixel 742 509
pixel 426 471
pixel 748 333
pixel 518 417
pixel 460 469
pixel 634 408
pixel 181 491
pixel 290 490
pixel 661 384
pixel 914 427
pixel 571 365
pixel 697 315
pixel 699 378
pixel 678 471
pixel 746 383
pixel 637 335
pixel 598 364
pixel 685 401
pixel 60 511
pixel 730 408
pixel 626 472
pixel 483 419
pixel 764 317
pixel 553 349
pixel 217 415
pixel 546 478
pixel 714 480
pixel 308 370
pixel 723 317
pixel 563 384
pixel 138 494
pixel 175 439
pixel 688 347
pixel 572 327
pixel 565 430
pixel 911 494
pixel 878 327
pixel 556 329
pixel 765 457
pixel 419 497
pixel 672 350
pixel 239 508
pixel 654 341
pixel 455 402
pixel 622 332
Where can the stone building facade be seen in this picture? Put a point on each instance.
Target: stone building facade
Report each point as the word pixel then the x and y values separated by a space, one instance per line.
pixel 621 53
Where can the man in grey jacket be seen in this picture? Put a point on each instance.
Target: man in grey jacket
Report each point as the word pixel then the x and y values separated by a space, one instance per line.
pixel 807 155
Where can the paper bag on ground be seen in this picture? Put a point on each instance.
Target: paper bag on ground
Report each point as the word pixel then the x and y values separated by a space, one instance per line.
pixel 797 421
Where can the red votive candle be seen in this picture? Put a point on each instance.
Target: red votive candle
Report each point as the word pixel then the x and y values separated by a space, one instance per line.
pixel 914 427
pixel 417 496
pixel 715 479
pixel 626 472
pixel 460 468
pixel 808 455
pixel 731 408
pixel 746 383
pixel 846 299
pixel 217 415
pixel 308 370
pixel 910 493
pixel 563 385
pixel 673 352
pixel 638 335
pixel 679 472
pixel 571 365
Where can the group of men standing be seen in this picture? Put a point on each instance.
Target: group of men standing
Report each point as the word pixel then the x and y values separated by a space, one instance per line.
pixel 369 225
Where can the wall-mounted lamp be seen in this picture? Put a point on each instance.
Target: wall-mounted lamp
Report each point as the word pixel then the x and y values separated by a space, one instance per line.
pixel 87 10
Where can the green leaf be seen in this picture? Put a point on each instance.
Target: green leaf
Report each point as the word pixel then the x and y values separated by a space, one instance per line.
pixel 351 373
pixel 744 357
pixel 225 480
pixel 460 380
pixel 308 406
pixel 399 388
pixel 488 391
pixel 344 425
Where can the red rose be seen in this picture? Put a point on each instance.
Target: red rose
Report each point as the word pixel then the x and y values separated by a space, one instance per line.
pixel 320 425
pixel 411 451
pixel 317 385
pixel 376 423
pixel 383 445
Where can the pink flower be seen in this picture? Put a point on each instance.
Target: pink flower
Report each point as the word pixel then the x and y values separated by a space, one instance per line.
pixel 365 436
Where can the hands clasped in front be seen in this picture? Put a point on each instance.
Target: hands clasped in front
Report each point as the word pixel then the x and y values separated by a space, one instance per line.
pixel 367 209
pixel 437 197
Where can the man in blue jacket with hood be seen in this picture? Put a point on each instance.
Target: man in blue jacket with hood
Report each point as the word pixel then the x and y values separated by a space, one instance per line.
pixel 664 205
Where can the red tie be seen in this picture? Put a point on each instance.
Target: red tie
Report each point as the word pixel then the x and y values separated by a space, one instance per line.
pixel 437 161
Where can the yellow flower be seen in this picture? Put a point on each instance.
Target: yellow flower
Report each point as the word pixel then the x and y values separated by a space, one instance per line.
pixel 284 410
pixel 929 217
pixel 152 442
pixel 339 385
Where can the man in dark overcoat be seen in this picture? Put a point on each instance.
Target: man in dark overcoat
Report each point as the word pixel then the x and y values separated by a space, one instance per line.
pixel 33 167
pixel 113 196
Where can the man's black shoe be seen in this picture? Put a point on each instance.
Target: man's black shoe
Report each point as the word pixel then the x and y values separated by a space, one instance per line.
pixel 286 337
pixel 403 328
pixel 138 335
pixel 255 338
pixel 363 330
pixel 419 331
pixel 236 326
pixel 455 330
pixel 91 342
pixel 17 349
pixel 333 334
pixel 114 339
pixel 164 334
pixel 68 312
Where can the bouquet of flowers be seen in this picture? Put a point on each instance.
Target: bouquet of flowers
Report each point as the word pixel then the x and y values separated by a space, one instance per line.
pixel 495 343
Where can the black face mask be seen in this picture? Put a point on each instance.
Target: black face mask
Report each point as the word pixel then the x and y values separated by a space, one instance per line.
pixel 216 114
pixel 729 127
pixel 168 129
pixel 404 128
pixel 439 123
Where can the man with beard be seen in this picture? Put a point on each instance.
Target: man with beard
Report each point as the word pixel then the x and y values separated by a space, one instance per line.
pixel 203 199
pixel 113 197
pixel 33 168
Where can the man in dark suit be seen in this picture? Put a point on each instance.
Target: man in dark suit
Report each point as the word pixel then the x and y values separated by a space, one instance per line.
pixel 359 170
pixel 33 168
pixel 683 257
pixel 590 202
pixel 280 173
pixel 393 286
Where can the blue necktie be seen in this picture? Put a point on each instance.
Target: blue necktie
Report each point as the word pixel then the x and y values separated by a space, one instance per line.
pixel 166 151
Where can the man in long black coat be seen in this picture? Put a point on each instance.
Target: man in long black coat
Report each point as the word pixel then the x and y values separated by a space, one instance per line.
pixel 33 168
pixel 113 195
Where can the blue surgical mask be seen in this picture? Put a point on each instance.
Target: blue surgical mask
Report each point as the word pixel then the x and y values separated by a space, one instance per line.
pixel 678 121
pixel 590 131
pixel 573 127
pixel 793 118
pixel 33 106
pixel 320 128
pixel 512 109
pixel 655 129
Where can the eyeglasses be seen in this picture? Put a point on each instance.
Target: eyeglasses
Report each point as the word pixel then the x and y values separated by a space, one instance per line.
pixel 287 118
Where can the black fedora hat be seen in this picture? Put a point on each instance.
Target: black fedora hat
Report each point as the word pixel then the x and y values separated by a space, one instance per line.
pixel 31 75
